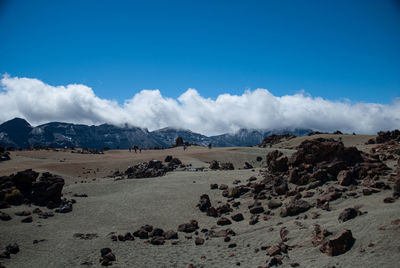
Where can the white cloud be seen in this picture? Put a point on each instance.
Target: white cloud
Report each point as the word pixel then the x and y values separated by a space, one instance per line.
pixel 40 103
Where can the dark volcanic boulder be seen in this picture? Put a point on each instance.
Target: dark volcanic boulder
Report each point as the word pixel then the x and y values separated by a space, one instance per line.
pixel 23 180
pixel 153 168
pixel 204 203
pixel 247 165
pixel 385 136
pixel 223 221
pixel 48 188
pixel 328 150
pixel 214 165
pixel 170 235
pixel 174 162
pixel 295 207
pixel 189 227
pixel 339 244
pixel 348 214
pixel 277 161
pixel 346 178
pixel 227 166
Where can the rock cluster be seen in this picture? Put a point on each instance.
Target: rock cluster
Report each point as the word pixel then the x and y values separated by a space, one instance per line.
pixel 320 160
pixel 153 168
pixel 107 257
pixel 334 246
pixel 274 139
pixel 25 187
pixel 215 165
pixel 385 136
pixel 10 249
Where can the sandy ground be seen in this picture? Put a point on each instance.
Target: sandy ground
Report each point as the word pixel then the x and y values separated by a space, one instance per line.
pixel 125 205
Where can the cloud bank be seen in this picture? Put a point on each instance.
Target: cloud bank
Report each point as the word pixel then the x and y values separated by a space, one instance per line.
pixel 39 103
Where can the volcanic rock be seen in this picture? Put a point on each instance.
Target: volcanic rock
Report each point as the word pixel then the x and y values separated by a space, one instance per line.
pixel 295 207
pixel 204 203
pixel 189 227
pixel 199 241
pixel 345 178
pixel 238 217
pixel 272 204
pixel 277 161
pixel 348 214
pixel 223 221
pixel 339 244
pixel 171 235
pixel 257 210
pixel 5 216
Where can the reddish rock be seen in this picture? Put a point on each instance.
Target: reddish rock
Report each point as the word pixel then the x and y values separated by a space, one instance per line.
pixel 389 200
pixel 295 207
pixel 274 250
pixel 223 221
pixel 256 210
pixel 319 235
pixel 157 240
pixel 277 162
pixel 339 244
pixel 346 178
pixel 199 241
pixel 212 212
pixel 283 234
pixel 223 187
pixel 189 227
pixel 348 214
pixel 171 235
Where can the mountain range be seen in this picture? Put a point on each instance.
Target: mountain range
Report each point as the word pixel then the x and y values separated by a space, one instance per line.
pixel 19 133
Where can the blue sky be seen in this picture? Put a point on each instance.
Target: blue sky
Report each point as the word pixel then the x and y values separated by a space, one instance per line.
pixel 333 49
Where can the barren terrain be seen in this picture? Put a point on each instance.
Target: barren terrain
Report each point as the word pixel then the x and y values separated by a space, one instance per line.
pixel 117 205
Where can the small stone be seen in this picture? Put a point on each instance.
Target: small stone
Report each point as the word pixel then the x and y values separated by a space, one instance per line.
pixel 199 241
pixel 5 216
pixel 238 217
pixel 223 221
pixel 388 200
pixel 256 210
pixel 12 248
pixel 27 219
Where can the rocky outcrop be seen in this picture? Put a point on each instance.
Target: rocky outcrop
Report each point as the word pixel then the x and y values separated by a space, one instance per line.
pixel 386 136
pixel 24 186
pixel 215 165
pixel 153 168
pixel 274 139
pixel 277 162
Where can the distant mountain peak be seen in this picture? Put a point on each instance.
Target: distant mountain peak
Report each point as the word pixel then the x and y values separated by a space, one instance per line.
pixel 19 133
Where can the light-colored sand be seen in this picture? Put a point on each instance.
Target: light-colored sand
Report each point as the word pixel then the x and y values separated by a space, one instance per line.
pixel 165 202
